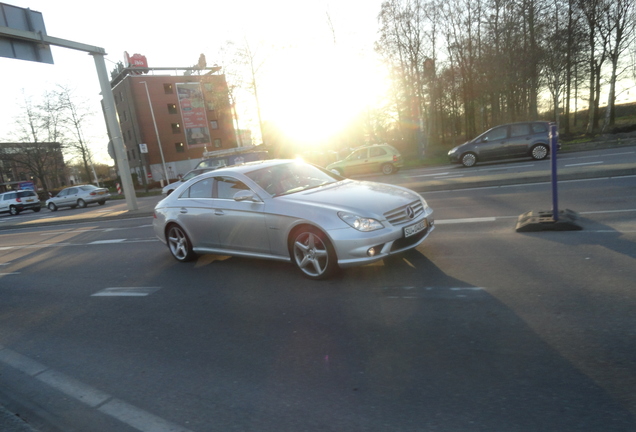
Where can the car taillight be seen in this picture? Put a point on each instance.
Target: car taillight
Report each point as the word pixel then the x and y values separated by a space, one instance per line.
pixel 395 158
pixel 18 199
pixel 93 193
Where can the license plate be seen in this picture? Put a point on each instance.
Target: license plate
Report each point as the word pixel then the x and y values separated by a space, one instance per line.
pixel 29 200
pixel 414 229
pixel 100 193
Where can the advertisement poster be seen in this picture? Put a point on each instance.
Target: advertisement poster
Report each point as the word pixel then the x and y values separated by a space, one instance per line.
pixel 193 114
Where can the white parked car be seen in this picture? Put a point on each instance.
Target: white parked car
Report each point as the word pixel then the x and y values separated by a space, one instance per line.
pixel 16 201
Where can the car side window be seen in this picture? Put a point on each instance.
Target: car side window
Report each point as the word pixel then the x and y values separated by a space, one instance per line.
pixel 201 189
pixel 539 128
pixel 376 152
pixel 518 130
pixel 226 187
pixel 71 191
pixel 360 154
pixel 496 134
pixel 62 193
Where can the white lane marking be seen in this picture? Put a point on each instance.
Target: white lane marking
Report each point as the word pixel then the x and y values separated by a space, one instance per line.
pixel 94 398
pixel 429 175
pixel 586 163
pixel 467 220
pixel 8 274
pixel 506 168
pixel 106 241
pixel 125 292
pixel 450 176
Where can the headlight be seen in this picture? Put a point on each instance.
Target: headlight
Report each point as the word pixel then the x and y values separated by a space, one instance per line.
pixel 360 223
pixel 452 151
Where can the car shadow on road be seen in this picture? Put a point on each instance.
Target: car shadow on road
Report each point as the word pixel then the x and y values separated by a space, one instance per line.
pixel 402 345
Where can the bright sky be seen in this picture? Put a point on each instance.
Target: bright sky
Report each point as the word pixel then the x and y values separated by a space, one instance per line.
pixel 320 70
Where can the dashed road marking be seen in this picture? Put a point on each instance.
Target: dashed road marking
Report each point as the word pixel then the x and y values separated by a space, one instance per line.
pixel 125 292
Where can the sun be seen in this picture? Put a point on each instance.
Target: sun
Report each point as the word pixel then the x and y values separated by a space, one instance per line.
pixel 318 95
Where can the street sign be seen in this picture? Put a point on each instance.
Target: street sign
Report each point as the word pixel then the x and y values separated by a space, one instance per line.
pixel 143 148
pixel 27 20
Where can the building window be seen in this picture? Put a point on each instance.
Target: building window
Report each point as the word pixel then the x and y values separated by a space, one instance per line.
pixel 167 88
pixel 176 128
pixel 172 108
pixel 179 147
pixel 125 115
pixel 214 124
pixel 217 142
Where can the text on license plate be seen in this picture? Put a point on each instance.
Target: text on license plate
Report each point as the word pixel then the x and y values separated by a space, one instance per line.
pixel 414 229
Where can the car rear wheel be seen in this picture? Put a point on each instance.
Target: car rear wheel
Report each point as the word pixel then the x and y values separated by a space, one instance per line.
pixel 81 203
pixel 52 207
pixel 469 159
pixel 36 209
pixel 388 168
pixel 313 253
pixel 179 244
pixel 539 152
pixel 14 210
pixel 101 202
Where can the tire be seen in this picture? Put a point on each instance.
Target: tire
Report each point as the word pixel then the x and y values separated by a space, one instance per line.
pixel 81 203
pixel 388 169
pixel 52 207
pixel 539 152
pixel 179 244
pixel 469 159
pixel 14 210
pixel 101 202
pixel 312 253
pixel 37 209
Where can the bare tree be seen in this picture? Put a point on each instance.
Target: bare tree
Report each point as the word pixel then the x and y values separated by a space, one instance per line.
pixel 75 115
pixel 618 24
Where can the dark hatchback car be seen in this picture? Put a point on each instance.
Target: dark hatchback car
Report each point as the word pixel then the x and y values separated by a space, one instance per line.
pixel 523 139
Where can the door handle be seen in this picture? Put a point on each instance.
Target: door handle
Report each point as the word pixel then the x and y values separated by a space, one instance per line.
pixel 183 210
pixel 219 212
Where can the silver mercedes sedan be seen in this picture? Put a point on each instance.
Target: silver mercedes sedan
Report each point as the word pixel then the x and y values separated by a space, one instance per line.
pixel 289 210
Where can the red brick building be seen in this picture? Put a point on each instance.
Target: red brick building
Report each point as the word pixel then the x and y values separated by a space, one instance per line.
pixel 192 114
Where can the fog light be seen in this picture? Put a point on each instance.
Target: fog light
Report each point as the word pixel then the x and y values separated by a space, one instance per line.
pixel 371 252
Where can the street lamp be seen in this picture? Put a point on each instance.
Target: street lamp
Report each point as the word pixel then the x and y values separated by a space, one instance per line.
pixel 152 113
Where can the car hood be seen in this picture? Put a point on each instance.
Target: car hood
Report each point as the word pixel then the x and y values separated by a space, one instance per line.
pixel 356 196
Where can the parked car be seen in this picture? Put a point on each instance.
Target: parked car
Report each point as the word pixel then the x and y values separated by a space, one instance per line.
pixel 289 210
pixel 15 202
pixel 523 139
pixel 382 158
pixel 78 196
pixel 167 189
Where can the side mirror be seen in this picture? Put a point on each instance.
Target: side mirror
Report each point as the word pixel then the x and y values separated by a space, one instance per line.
pixel 246 195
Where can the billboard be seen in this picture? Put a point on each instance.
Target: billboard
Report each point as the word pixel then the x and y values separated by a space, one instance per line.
pixel 193 114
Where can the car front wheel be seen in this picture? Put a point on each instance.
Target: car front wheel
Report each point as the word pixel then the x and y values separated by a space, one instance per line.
pixel 313 253
pixel 81 203
pixel 52 207
pixel 469 159
pixel 14 210
pixel 179 244
pixel 539 152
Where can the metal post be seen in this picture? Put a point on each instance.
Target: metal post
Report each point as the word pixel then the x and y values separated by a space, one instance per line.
pixel 152 113
pixel 115 131
pixel 554 144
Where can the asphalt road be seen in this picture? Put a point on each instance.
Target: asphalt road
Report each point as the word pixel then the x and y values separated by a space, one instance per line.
pixel 481 329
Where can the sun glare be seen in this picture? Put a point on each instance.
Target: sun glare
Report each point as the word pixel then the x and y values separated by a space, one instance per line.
pixel 312 104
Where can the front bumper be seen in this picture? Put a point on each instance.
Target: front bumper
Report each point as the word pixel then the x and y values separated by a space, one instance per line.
pixel 353 250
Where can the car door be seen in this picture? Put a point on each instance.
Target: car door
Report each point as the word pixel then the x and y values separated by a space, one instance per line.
pixel 492 144
pixel 520 140
pixel 4 201
pixel 59 199
pixel 240 224
pixel 377 156
pixel 71 197
pixel 196 214
pixel 357 162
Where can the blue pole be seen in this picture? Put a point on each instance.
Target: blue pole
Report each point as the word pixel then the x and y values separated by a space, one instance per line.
pixel 554 143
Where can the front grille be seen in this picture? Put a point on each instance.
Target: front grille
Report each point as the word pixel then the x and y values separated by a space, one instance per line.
pixel 401 216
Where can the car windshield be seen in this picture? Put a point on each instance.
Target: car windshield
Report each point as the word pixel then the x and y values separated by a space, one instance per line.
pixel 290 178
